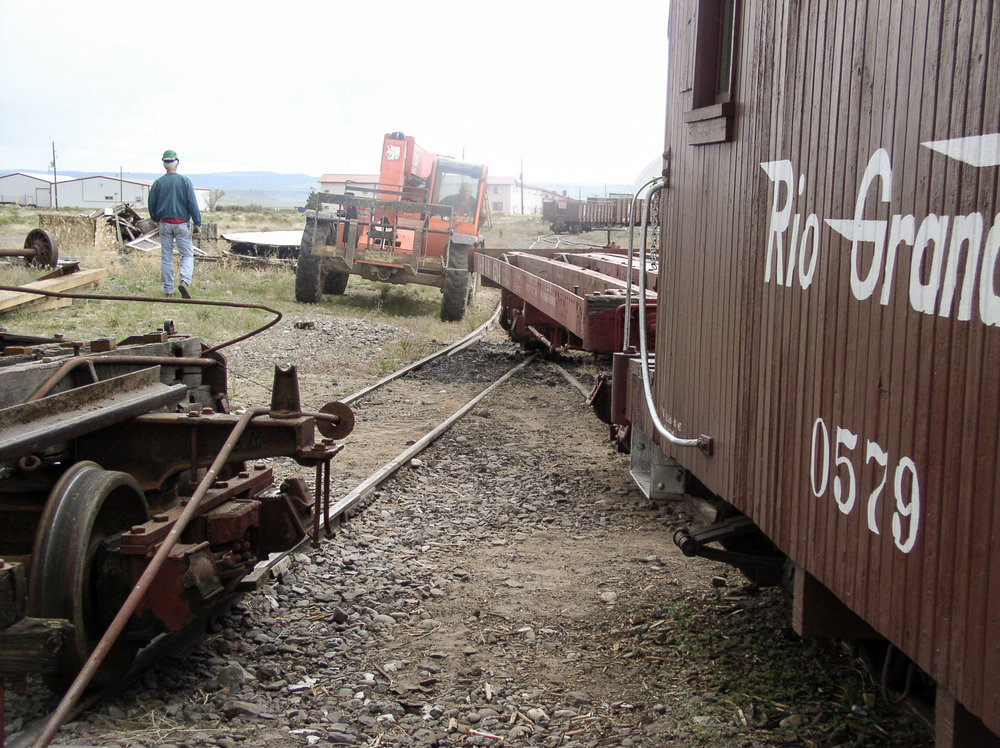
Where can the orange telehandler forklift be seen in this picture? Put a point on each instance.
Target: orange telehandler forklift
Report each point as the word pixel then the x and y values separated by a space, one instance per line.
pixel 419 224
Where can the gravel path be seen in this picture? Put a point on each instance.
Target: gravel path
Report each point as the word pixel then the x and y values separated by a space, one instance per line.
pixel 509 587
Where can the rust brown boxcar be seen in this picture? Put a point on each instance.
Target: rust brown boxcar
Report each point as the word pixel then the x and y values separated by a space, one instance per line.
pixel 829 310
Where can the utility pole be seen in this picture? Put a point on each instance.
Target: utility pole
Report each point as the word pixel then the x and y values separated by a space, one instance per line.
pixel 55 175
pixel 521 178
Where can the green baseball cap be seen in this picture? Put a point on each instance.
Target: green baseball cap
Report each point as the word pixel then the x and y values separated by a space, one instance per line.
pixel 170 155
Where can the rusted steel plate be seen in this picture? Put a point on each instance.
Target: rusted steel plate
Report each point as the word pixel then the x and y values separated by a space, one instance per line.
pixel 147 445
pixel 568 276
pixel 143 539
pixel 589 304
pixel 562 305
pixel 536 251
pixel 33 426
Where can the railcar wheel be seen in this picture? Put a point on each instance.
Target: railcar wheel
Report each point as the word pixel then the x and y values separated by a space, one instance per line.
pixel 336 283
pixel 72 574
pixel 309 267
pixel 44 244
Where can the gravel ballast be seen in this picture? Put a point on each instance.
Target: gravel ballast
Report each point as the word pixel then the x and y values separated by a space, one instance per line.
pixel 509 586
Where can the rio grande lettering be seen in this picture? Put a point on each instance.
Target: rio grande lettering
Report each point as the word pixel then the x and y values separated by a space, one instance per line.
pixel 951 257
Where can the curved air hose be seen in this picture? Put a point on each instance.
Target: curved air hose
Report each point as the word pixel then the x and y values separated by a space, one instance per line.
pixel 201 302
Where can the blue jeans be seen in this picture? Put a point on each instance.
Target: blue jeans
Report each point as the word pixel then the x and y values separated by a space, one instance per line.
pixel 179 233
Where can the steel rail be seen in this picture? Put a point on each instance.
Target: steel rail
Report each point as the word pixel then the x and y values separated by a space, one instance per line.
pixel 68 705
pixel 447 350
pixel 331 514
pixel 547 238
pixel 475 336
pixel 363 489
pixel 570 378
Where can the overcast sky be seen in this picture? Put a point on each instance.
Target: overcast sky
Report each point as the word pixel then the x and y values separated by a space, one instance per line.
pixel 576 90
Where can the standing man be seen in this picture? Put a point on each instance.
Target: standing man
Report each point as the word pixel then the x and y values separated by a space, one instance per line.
pixel 173 205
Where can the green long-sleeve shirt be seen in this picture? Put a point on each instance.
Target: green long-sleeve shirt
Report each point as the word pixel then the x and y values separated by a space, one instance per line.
pixel 172 196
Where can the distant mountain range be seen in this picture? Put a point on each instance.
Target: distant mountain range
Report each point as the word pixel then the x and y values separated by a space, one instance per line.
pixel 266 188
pixel 273 190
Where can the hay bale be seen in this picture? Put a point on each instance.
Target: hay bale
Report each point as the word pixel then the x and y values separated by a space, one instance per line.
pixel 79 231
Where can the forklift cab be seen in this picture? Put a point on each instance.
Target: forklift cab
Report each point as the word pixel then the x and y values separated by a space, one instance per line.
pixel 462 187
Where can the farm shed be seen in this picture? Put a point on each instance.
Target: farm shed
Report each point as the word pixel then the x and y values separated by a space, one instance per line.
pixel 27 188
pixel 96 191
pixel 506 193
pixel 101 191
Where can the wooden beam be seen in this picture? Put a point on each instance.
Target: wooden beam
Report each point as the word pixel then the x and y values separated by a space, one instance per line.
pixel 706 131
pixel 13 593
pixel 818 613
pixel 956 727
pixel 13 300
pixel 33 645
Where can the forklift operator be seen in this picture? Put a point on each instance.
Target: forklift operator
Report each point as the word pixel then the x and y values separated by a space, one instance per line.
pixel 464 202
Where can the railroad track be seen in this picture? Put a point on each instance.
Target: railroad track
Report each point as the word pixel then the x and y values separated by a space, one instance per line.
pixel 555 241
pixel 332 513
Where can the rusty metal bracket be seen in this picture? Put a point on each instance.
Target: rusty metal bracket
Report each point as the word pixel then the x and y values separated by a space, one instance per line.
pixel 35 425
pixel 696 543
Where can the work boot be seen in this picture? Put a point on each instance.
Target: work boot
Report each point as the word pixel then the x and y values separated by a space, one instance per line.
pixel 184 289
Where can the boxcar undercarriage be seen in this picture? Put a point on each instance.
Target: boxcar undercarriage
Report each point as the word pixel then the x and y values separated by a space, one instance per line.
pixel 116 457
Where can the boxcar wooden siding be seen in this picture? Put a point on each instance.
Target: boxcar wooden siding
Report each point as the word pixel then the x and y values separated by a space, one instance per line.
pixel 829 308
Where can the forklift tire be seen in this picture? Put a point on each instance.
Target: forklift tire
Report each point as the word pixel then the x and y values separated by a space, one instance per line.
pixel 335 283
pixel 309 268
pixel 456 295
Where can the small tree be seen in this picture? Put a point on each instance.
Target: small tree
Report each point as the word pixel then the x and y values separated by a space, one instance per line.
pixel 312 202
pixel 213 198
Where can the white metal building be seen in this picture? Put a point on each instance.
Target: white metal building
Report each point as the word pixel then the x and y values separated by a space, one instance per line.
pixel 100 192
pixel 508 196
pixel 25 188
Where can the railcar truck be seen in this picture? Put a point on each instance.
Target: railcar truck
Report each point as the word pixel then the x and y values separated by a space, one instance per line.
pixel 419 224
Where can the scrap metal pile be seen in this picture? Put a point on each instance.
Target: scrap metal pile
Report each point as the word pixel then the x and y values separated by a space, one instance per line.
pixel 125 222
